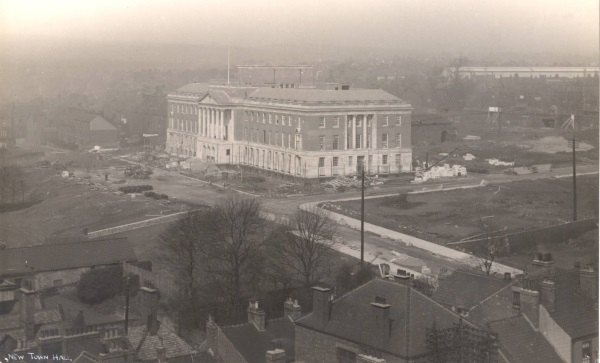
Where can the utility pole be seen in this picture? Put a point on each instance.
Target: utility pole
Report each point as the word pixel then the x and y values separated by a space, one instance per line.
pixel 574 176
pixel 362 220
pixel 126 304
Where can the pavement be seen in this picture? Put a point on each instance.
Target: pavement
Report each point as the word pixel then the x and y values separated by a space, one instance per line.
pixel 378 248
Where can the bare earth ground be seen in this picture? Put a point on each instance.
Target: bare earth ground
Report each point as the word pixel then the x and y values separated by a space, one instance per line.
pixel 449 216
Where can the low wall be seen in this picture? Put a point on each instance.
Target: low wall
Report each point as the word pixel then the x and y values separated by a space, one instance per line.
pixel 136 225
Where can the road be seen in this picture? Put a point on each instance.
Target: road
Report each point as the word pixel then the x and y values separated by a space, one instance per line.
pixel 193 191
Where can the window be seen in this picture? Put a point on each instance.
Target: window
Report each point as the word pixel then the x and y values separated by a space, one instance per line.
pixel 283 120
pixel 398 140
pixel 358 139
pixel 359 121
pixel 321 142
pixel 384 159
pixel 322 122
pixel 270 140
pixel 264 136
pixel 398 120
pixel 276 120
pixel 264 117
pixel 346 356
pixel 586 352
pixel 336 122
pixel 370 161
pixel 252 116
pixel 335 161
pixel 289 140
pixel 349 160
pixel 516 299
pixel 270 119
pixel 349 123
pixel 321 162
pixel 384 121
pixel 336 140
pixel 384 141
pixel 398 159
pixel 368 138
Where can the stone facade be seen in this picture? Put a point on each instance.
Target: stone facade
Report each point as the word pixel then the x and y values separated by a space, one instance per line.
pixel 286 136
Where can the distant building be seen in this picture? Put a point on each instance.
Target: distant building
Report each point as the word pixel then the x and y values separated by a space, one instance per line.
pixel 84 129
pixel 432 130
pixel 300 76
pixel 498 72
pixel 55 265
pixel 307 133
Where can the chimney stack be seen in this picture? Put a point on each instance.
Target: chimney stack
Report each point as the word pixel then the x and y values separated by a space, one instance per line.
pixel 588 282
pixel 27 312
pixel 161 354
pixel 548 294
pixel 292 309
pixel 381 315
pixel 322 303
pixel 256 315
pixel 149 309
pixel 212 336
pixel 530 305
pixel 276 356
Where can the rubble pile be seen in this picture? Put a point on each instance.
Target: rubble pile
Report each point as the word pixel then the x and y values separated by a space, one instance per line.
pixel 341 184
pixel 437 172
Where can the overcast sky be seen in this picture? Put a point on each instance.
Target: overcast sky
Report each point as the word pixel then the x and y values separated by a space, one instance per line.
pixel 455 25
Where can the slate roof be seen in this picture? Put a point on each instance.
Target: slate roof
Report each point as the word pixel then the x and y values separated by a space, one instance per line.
pixel 520 343
pixel 253 344
pixel 465 289
pixel 19 261
pixel 314 95
pixel 146 344
pixel 71 308
pixel 194 88
pixel 352 317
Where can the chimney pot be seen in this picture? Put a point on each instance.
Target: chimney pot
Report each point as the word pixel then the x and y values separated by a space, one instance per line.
pixel 292 309
pixel 256 316
pixel 276 356
pixel 548 294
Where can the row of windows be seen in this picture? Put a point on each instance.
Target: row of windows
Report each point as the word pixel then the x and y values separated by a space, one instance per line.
pixel 336 141
pixel 267 117
pixel 358 120
pixel 186 109
pixel 335 161
pixel 183 125
pixel 268 137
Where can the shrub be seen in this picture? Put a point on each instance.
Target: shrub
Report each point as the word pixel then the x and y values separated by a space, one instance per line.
pixel 135 188
pixel 164 196
pixel 100 284
pixel 151 195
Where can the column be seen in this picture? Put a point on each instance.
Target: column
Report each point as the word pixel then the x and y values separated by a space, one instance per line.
pixel 375 133
pixel 364 131
pixel 221 125
pixel 353 143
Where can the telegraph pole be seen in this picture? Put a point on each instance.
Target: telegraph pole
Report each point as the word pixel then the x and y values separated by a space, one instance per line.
pixel 362 220
pixel 574 176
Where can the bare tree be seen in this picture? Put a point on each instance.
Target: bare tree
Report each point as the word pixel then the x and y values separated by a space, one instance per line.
pixel 239 234
pixel 487 250
pixel 304 247
pixel 12 183
pixel 184 245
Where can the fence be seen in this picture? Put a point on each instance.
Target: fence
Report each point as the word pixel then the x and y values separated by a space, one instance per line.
pixel 136 225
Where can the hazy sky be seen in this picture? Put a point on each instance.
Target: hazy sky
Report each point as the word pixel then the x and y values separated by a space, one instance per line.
pixel 460 25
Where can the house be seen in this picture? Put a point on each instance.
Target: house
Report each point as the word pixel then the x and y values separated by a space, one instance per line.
pixel 258 340
pixel 303 132
pixel 54 265
pixel 380 321
pixel 561 305
pixel 84 129
pixel 57 326
pixel 432 130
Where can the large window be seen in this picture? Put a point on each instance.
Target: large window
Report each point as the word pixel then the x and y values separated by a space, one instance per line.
pixel 321 162
pixel 398 140
pixel 384 159
pixel 322 122
pixel 358 140
pixel 384 121
pixel 336 122
pixel 398 120
pixel 335 161
pixel 336 141
pixel 321 142
pixel 384 141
